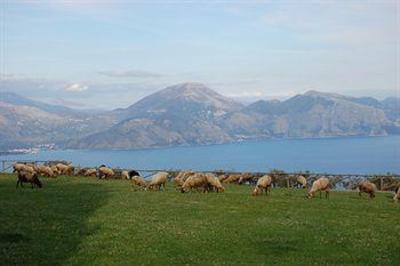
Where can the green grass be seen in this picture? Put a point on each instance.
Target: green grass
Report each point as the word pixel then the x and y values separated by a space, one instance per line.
pixel 82 221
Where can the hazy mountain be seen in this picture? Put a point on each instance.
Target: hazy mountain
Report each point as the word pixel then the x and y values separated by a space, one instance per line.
pixel 15 99
pixel 178 115
pixel 191 113
pixel 24 122
pixel 312 114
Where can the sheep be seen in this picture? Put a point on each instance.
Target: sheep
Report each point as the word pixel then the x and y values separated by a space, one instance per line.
pixel 158 180
pixel 55 170
pixel 180 179
pixel 232 179
pixel 214 183
pixel 263 183
pixel 367 187
pixel 105 172
pixel 246 177
pixel 90 172
pixel 65 169
pixel 125 175
pixel 222 177
pixel 45 171
pixel 197 180
pixel 321 184
pixel 80 171
pixel 302 181
pixel 138 181
pixel 28 177
pixel 23 167
pixel 396 197
pixel 133 173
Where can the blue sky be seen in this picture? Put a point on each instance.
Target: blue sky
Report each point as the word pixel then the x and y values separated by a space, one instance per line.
pixel 111 53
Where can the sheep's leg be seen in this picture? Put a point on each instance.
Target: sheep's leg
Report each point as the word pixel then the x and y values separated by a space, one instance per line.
pixel 17 183
pixel 359 194
pixel 327 194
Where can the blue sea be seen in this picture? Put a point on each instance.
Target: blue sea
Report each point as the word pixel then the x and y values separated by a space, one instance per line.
pixel 361 155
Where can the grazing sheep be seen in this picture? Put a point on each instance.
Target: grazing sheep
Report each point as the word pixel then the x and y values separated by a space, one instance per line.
pixel 125 175
pixel 158 180
pixel 301 180
pixel 65 169
pixel 138 181
pixel 321 184
pixel 246 177
pixel 232 179
pixel 263 183
pixel 396 197
pixel 90 172
pixel 23 167
pixel 198 180
pixel 28 177
pixel 80 171
pixel 105 172
pixel 222 178
pixel 133 173
pixel 55 170
pixel 367 187
pixel 180 179
pixel 45 171
pixel 214 183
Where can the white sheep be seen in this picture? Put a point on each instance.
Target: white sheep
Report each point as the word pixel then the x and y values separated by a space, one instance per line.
pixel 367 187
pixel 214 183
pixel 321 184
pixel 158 180
pixel 197 180
pixel 301 180
pixel 263 183
pixel 105 172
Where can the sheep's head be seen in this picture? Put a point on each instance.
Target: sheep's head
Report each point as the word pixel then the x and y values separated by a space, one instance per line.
pixel 256 191
pixel 37 181
pixel 310 195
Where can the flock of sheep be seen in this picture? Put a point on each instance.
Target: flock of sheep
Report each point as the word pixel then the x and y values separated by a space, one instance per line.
pixel 184 181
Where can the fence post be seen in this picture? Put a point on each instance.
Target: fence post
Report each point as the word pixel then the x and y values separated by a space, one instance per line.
pixel 381 185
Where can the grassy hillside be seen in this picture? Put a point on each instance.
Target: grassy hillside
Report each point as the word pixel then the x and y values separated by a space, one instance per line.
pixel 83 221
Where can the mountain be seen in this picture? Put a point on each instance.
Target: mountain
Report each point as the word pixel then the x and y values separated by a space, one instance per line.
pixel 178 115
pixel 191 113
pixel 313 114
pixel 17 100
pixel 25 123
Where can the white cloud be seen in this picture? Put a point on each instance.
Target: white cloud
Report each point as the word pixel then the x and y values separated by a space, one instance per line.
pixel 76 87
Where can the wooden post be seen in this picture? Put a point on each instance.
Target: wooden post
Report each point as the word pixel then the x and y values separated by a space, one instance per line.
pixel 381 186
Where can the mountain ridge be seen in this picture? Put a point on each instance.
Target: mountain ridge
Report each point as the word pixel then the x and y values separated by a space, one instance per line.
pixel 191 113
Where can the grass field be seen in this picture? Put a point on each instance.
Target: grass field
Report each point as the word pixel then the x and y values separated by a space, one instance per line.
pixel 84 221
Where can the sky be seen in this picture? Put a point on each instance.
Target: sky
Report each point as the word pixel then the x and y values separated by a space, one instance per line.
pixel 108 54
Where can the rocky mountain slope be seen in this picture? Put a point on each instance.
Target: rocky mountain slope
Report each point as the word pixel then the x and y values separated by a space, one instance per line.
pixel 25 123
pixel 191 113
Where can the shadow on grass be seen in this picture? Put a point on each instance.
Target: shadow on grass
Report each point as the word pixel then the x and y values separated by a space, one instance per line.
pixel 46 226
